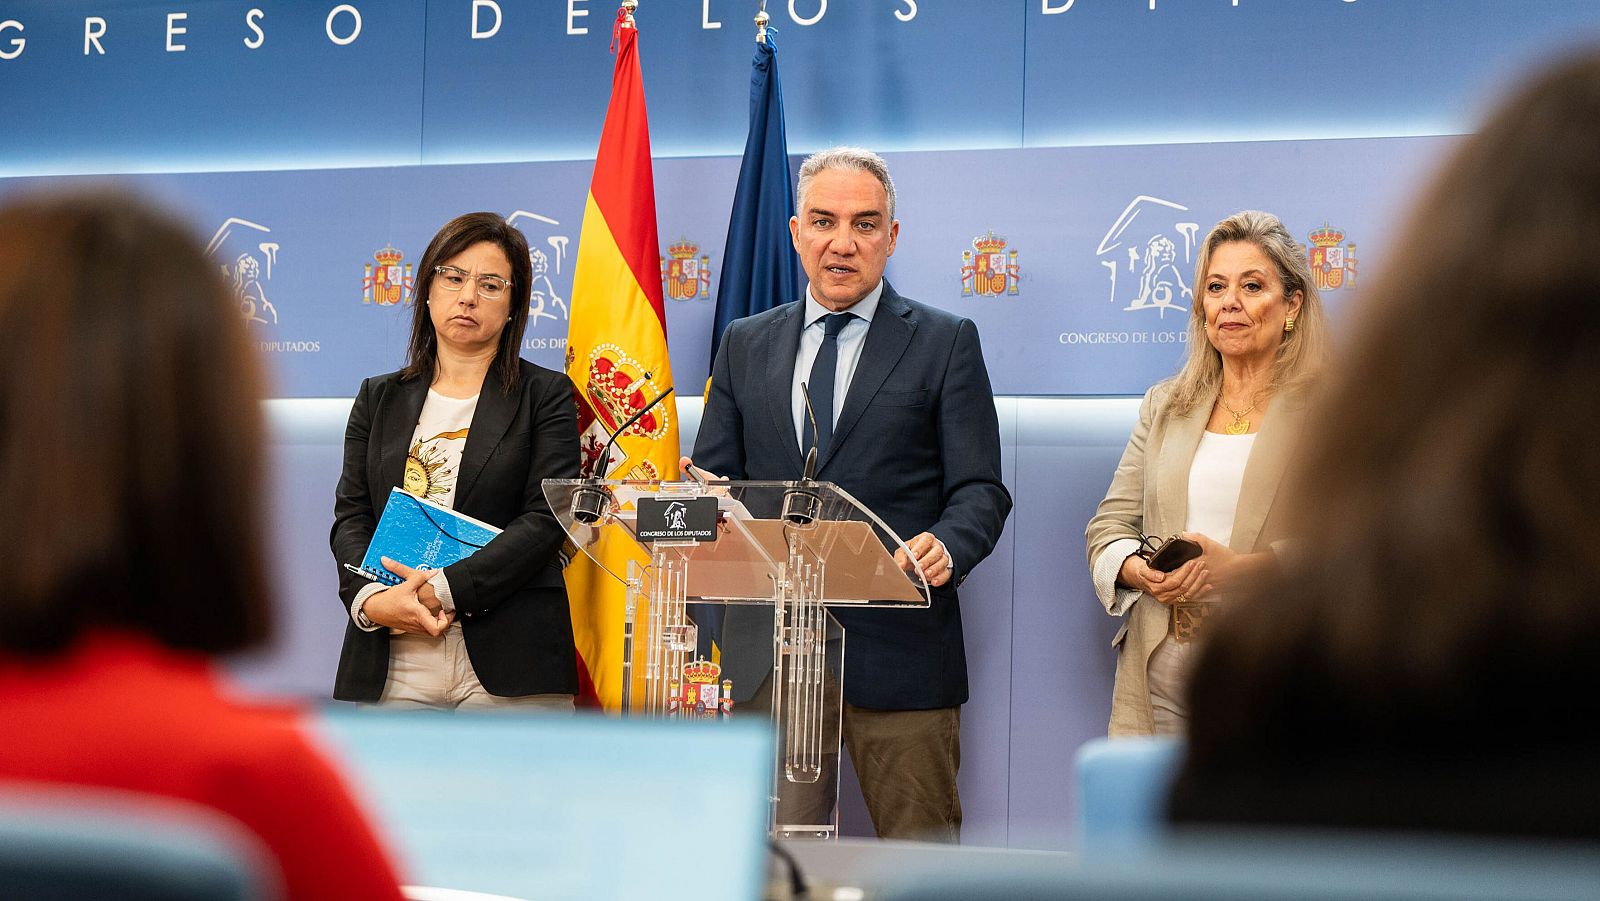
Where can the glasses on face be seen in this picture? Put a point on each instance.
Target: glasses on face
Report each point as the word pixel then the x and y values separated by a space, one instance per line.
pixel 490 287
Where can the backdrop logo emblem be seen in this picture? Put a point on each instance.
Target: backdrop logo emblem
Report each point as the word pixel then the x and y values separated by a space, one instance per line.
pixel 683 275
pixel 247 266
pixel 390 282
pixel 1157 242
pixel 988 269
pixel 1332 266
pixel 544 298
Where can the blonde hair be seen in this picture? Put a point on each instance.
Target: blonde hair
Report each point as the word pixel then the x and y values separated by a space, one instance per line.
pixel 1300 353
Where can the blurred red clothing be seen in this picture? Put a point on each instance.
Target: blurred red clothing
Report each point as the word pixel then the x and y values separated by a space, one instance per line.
pixel 121 711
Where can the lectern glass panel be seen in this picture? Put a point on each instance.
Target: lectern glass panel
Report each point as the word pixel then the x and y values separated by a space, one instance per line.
pixel 728 586
pixel 754 536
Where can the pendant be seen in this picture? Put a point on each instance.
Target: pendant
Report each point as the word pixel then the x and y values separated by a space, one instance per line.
pixel 1239 426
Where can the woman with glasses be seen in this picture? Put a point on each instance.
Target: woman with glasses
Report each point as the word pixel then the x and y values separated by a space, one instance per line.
pixel 470 425
pixel 1205 460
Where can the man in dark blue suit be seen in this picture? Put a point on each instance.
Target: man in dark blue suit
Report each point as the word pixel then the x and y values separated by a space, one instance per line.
pixel 905 421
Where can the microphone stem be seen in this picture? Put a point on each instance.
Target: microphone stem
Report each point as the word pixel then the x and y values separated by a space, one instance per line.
pixel 605 455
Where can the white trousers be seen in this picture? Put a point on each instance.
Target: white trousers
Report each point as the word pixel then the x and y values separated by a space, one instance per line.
pixel 1168 680
pixel 435 672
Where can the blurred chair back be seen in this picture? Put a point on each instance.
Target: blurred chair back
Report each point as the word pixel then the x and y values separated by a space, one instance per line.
pixel 1251 865
pixel 70 844
pixel 1122 786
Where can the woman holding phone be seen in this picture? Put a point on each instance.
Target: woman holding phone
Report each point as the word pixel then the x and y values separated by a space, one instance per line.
pixel 1205 462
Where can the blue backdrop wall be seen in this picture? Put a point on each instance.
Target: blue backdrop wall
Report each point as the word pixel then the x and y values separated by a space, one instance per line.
pixel 1084 145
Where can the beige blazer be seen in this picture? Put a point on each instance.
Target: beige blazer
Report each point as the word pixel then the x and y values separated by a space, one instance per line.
pixel 1150 493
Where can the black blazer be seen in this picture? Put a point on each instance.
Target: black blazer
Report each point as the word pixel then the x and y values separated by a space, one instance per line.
pixel 510 598
pixel 917 441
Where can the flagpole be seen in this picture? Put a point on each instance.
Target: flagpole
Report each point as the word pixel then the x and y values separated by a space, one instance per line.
pixel 761 23
pixel 616 347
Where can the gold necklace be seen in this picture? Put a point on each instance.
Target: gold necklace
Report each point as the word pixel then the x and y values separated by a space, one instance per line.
pixel 1240 424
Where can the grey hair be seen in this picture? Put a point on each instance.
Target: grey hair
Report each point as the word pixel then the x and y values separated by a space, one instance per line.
pixel 852 159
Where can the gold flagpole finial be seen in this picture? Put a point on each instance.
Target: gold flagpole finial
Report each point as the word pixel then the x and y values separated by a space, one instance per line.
pixel 628 6
pixel 761 23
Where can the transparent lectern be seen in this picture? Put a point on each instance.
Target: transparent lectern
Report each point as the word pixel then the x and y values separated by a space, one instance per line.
pixel 759 579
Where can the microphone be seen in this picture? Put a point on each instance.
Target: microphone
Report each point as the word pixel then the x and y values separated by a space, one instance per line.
pixel 591 500
pixel 811 414
pixel 803 504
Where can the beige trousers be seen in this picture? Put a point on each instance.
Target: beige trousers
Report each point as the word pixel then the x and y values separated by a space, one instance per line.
pixel 435 672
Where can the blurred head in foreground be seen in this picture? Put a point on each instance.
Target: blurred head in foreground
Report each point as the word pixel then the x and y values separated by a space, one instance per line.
pixel 130 433
pixel 1430 660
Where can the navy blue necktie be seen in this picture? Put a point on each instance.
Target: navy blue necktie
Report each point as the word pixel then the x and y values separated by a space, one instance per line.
pixel 820 385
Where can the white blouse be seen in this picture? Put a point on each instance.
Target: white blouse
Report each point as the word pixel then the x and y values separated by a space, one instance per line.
pixel 1215 477
pixel 1216 474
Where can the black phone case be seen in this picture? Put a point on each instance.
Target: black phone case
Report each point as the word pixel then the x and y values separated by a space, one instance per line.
pixel 1175 553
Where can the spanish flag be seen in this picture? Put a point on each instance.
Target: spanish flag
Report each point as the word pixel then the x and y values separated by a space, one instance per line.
pixel 617 356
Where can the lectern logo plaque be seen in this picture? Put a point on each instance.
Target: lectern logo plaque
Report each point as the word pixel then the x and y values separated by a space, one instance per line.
pixel 678 519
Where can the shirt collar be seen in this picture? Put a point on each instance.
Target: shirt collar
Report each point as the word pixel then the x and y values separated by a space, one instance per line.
pixel 864 308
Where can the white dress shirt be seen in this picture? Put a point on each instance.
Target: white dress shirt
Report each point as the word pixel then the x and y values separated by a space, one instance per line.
pixel 851 340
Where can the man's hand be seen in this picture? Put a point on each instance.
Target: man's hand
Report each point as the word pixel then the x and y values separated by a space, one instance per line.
pixel 930 558
pixel 685 464
pixel 401 607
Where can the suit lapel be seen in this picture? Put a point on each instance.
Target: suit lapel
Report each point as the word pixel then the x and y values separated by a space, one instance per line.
pixel 403 407
pixel 783 346
pixel 1180 440
pixel 1263 473
pixel 887 340
pixel 490 421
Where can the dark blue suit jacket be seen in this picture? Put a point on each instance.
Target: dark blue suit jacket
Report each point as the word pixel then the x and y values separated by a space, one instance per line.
pixel 917 441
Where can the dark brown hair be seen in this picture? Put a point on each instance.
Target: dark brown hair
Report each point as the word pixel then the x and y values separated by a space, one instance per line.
pixel 130 433
pixel 1442 618
pixel 457 235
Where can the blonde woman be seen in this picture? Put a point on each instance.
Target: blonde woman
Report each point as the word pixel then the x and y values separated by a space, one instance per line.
pixel 1205 461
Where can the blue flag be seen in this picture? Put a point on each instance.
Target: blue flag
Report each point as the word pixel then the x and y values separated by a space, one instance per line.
pixel 759 267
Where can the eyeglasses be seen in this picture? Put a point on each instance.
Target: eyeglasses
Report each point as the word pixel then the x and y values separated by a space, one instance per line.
pixel 1166 555
pixel 490 287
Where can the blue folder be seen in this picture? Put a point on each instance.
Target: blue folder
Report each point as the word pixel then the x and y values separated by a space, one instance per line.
pixel 422 535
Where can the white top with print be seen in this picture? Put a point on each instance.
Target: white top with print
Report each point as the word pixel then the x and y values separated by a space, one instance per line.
pixel 433 462
pixel 433 465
